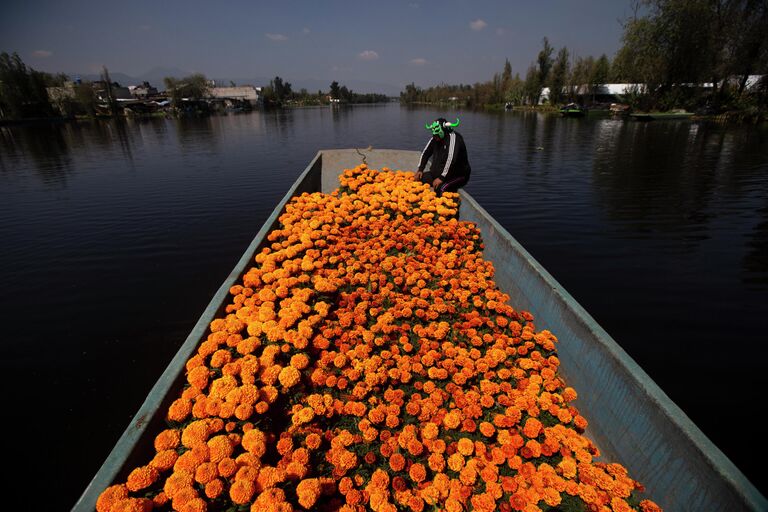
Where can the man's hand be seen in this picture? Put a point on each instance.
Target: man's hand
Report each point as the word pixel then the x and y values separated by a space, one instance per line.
pixel 419 174
pixel 437 183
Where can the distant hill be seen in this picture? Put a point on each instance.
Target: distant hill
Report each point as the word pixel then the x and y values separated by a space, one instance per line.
pixel 156 75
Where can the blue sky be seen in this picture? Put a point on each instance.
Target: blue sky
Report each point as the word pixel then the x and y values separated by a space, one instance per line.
pixel 451 41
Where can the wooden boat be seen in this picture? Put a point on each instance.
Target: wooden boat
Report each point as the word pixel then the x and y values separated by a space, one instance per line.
pixel 631 419
pixel 659 116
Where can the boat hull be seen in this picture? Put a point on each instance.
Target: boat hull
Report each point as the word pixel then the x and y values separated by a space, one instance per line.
pixel 632 421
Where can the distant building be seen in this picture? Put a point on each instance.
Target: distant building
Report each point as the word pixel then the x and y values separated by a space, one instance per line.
pixel 142 91
pixel 246 93
pixel 115 89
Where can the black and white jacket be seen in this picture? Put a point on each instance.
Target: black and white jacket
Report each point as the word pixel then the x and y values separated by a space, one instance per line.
pixel 449 157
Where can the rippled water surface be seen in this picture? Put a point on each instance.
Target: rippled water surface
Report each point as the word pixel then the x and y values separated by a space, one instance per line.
pixel 115 235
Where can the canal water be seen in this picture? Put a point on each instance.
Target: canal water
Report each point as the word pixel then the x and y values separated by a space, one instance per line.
pixel 116 234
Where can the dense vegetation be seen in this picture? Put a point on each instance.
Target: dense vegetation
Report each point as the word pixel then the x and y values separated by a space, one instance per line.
pixel 695 54
pixel 280 93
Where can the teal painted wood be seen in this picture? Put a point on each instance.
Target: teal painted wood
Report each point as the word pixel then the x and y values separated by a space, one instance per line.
pixel 631 419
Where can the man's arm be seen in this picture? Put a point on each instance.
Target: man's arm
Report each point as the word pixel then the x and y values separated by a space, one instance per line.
pixel 426 154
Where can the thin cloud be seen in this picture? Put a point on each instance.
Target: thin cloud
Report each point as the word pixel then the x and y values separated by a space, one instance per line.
pixel 500 32
pixel 477 25
pixel 42 54
pixel 305 30
pixel 145 28
pixel 368 55
pixel 276 37
pixel 418 62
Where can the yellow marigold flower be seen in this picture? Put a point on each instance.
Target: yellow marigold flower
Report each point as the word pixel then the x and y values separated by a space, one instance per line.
pixel 308 491
pixel 110 496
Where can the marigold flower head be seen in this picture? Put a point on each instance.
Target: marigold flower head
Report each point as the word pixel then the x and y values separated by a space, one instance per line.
pixel 110 496
pixel 308 491
pixel 141 478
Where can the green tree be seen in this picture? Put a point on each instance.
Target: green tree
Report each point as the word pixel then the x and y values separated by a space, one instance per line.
pixel 599 74
pixel 194 87
pixel 334 90
pixel 23 91
pixel 532 86
pixel 544 61
pixel 559 77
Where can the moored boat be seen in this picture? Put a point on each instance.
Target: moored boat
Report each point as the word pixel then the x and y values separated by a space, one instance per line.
pixel 631 419
pixel 573 110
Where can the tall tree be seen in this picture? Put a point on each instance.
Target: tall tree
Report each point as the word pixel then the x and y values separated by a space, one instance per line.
pixel 559 77
pixel 544 61
pixel 532 86
pixel 335 90
pixel 599 74
pixel 22 89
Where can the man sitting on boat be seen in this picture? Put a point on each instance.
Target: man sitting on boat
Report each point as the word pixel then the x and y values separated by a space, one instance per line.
pixel 450 163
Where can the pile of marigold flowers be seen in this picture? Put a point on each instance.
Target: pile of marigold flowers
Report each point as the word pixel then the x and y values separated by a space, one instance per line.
pixel 368 361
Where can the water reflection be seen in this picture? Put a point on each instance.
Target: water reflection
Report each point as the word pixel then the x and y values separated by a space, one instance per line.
pixel 48 147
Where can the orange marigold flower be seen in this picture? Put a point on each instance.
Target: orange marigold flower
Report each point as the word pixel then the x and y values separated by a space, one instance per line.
pixel 206 472
pixel 220 447
pixel 180 409
pixel 110 496
pixel 214 488
pixel 465 446
pixel 168 439
pixel 429 431
pixel 649 506
pixel 397 462
pixel 242 491
pixel 313 441
pixel 418 472
pixel 195 505
pixel 132 505
pixel 289 376
pixel 255 442
pixel 487 429
pixel 436 462
pixel 456 462
pixel 164 460
pixel 532 428
pixel 452 420
pixel 308 491
pixel 141 478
